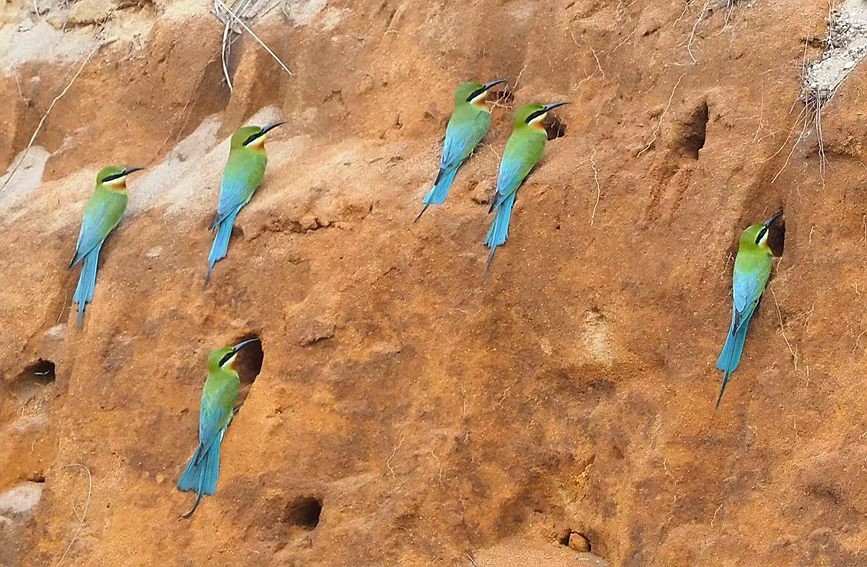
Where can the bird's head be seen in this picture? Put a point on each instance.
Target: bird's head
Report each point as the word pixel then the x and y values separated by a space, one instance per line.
pixel 114 176
pixel 534 114
pixel 225 357
pixel 756 236
pixel 252 136
pixel 475 93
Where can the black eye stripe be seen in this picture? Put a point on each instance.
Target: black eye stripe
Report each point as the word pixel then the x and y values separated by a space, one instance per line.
pixel 226 357
pixel 475 93
pixel 113 177
pixel 535 115
pixel 251 138
pixel 761 234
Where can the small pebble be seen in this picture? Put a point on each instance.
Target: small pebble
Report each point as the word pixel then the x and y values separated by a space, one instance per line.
pixel 578 542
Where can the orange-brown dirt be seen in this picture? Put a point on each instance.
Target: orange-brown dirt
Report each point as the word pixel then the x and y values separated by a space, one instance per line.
pixel 437 420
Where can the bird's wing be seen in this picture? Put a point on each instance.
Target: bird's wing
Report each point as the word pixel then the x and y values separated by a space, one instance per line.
pixel 241 177
pixel 513 170
pixel 101 215
pixel 218 401
pixel 522 153
pixel 747 291
pixel 462 137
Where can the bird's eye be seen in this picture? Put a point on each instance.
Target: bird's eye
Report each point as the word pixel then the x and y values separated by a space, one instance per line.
pixel 539 114
pixel 227 357
pixel 252 137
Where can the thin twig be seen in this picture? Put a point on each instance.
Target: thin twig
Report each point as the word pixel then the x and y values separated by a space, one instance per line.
pixel 256 37
pixel 661 116
pixel 698 20
pixel 47 112
pixel 83 515
pixel 783 331
pixel 393 453
pixel 598 189
pixel 596 57
pixel 224 55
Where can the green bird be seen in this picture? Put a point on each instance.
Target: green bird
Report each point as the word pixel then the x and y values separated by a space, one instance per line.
pixel 749 278
pixel 523 151
pixel 101 215
pixel 470 121
pixel 216 411
pixel 241 177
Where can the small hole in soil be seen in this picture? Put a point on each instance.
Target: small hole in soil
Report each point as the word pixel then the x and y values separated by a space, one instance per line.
pixel 505 96
pixel 32 380
pixel 248 364
pixel 575 541
pixel 777 237
pixel 554 127
pixel 304 512
pixel 695 132
pixel 41 371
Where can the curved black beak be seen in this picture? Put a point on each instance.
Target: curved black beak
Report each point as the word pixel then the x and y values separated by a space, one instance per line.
pixel 242 344
pixel 552 106
pixel 269 127
pixel 484 88
pixel 129 170
pixel 262 132
pixel 773 219
pixel 488 86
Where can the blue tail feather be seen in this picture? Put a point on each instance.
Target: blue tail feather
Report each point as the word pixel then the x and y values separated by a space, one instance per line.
pixel 731 353
pixel 441 188
pixel 203 470
pixel 221 241
pixel 440 191
pixel 499 231
pixel 86 282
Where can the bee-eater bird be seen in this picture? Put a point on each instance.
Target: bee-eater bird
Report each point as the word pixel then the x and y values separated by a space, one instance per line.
pixel 216 411
pixel 523 150
pixel 101 215
pixel 470 121
pixel 749 278
pixel 241 177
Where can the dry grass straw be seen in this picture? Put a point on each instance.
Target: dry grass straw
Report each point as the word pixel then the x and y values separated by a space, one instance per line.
pixel 708 7
pixel 656 130
pixel 47 112
pixel 82 515
pixel 236 14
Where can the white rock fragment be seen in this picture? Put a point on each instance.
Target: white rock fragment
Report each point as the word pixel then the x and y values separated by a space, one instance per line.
pixel 21 500
pixel 845 47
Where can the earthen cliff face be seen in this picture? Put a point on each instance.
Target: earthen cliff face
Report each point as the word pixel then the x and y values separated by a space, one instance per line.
pixel 405 413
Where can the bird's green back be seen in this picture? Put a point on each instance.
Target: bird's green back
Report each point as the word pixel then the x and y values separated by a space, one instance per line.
pixel 218 396
pixel 524 148
pixel 754 258
pixel 245 167
pixel 108 203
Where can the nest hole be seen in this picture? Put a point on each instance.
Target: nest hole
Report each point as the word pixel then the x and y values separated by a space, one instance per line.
pixel 40 371
pixel 554 127
pixel 575 541
pixel 505 96
pixel 32 380
pixel 777 237
pixel 248 365
pixel 695 132
pixel 303 512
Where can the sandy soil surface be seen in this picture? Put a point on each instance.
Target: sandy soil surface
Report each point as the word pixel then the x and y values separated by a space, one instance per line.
pixel 405 413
